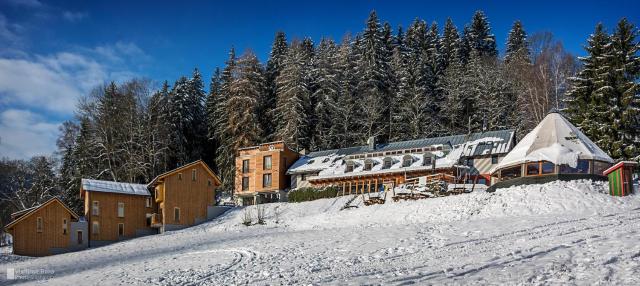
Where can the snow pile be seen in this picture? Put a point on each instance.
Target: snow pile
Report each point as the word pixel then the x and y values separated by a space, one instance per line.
pixel 576 197
pixel 555 140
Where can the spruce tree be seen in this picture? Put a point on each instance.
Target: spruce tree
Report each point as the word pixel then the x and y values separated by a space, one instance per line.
pixel 326 93
pixel 449 43
pixel 480 37
pixel 225 160
pixel 272 70
pixel 517 46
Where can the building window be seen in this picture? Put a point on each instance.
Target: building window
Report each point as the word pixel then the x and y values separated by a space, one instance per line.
pixel 547 168
pixel 533 169
pixel 581 168
pixel 121 229
pixel 245 166
pixel 148 202
pixel 266 180
pixel 368 166
pixel 95 208
pixel 64 226
pixel 349 167
pixel 510 173
pixel 407 161
pixel 245 183
pixel 470 162
pixel 95 228
pixel 39 224
pixel 427 160
pixel 266 163
pixel 79 238
pixel 209 182
pixel 120 209
pixel 494 159
pixel 176 214
pixel 193 174
pixel 179 176
pixel 303 177
pixel 387 163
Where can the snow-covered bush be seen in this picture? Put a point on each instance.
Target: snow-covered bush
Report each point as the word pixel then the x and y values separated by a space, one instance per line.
pixel 246 217
pixel 310 194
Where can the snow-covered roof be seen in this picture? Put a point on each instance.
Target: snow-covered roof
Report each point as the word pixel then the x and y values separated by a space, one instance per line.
pixel 333 162
pixel 555 140
pixel 115 187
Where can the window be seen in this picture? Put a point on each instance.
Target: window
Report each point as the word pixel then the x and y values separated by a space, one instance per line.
pixel 349 167
pixel 407 161
pixel 121 229
pixel 39 224
pixel 533 169
pixel 266 163
pixel 148 202
pixel 64 226
pixel 266 180
pixel 193 174
pixel 79 237
pixel 209 182
pixel 176 214
pixel 427 160
pixel 599 167
pixel 482 181
pixel 494 159
pixel 387 163
pixel 120 209
pixel 179 176
pixel 245 166
pixel 470 162
pixel 95 208
pixel 511 173
pixel 547 168
pixel 368 166
pixel 245 183
pixel 303 177
pixel 581 168
pixel 95 228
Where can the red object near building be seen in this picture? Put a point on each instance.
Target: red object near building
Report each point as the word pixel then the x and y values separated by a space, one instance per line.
pixel 620 178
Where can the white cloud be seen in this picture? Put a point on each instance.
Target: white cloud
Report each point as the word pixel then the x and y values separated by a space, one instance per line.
pixel 24 134
pixel 25 3
pixel 74 16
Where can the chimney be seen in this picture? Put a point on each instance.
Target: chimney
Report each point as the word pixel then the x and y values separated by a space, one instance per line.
pixel 372 142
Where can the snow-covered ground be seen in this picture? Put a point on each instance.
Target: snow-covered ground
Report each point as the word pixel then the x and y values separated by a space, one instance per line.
pixel 557 233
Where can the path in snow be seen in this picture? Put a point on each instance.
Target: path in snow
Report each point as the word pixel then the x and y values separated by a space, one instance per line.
pixel 554 233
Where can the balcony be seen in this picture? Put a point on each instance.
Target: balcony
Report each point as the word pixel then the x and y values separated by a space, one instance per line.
pixel 156 220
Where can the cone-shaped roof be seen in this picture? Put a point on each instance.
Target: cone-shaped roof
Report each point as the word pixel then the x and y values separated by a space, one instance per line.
pixel 556 140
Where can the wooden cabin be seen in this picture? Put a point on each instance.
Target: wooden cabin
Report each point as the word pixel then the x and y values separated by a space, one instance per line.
pixel 185 196
pixel 260 175
pixel 621 178
pixel 116 211
pixel 47 229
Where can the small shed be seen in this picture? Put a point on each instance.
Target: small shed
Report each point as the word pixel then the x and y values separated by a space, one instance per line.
pixel 620 178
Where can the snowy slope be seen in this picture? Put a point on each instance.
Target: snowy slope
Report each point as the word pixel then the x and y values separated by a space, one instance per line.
pixel 554 233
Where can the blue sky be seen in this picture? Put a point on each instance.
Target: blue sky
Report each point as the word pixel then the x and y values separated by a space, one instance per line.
pixel 52 52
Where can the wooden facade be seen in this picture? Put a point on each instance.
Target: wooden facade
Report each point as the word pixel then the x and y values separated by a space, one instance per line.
pixel 184 195
pixel 107 224
pixel 620 178
pixel 255 177
pixel 41 230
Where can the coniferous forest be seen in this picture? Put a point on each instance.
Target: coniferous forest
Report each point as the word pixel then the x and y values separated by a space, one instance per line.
pixel 396 83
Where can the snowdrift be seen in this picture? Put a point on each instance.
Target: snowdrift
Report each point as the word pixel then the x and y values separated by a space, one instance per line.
pixel 555 198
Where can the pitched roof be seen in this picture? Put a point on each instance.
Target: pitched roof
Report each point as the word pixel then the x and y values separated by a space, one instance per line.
pixel 28 212
pixel 206 167
pixel 115 187
pixel 555 140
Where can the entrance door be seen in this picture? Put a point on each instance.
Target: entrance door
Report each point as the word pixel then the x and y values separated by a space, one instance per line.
pixel 120 229
pixel 80 237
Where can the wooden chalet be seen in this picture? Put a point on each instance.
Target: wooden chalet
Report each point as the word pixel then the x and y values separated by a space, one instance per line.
pixel 261 172
pixel 46 229
pixel 116 211
pixel 184 196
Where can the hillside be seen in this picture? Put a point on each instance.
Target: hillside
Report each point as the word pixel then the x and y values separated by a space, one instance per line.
pixel 554 233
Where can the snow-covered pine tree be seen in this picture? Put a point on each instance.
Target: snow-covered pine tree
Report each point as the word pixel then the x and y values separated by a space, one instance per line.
pixel 211 106
pixel 373 82
pixel 245 91
pixel 624 94
pixel 272 70
pixel 584 108
pixel 517 46
pixel 326 93
pixel 197 128
pixel 158 129
pixel 480 37
pixel 294 99
pixel 225 161
pixel 344 122
pixel 179 118
pixel 449 43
